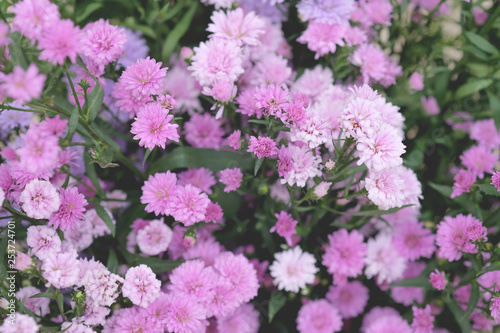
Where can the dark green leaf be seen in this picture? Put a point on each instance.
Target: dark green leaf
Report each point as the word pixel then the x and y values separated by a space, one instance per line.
pixel 103 214
pixel 482 43
pixel 3 250
pixel 94 100
pixel 15 50
pixel 48 294
pixel 473 299
pixel 146 155
pixel 276 303
pixel 91 173
pixel 72 124
pixel 495 108
pixel 156 264
pixel 472 86
pixel 83 14
pixel 178 32
pixel 493 267
pixel 489 189
pixel 50 329
pixel 106 160
pixel 421 281
pixel 257 166
pixel 190 157
pixel 443 189
pixel 458 313
pixel 229 202
pixel 374 212
pixel 112 263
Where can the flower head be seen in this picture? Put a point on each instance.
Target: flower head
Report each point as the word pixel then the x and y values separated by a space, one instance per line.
pixel 189 205
pixel 144 78
pixel 103 43
pixel 154 238
pixel 237 26
pixel 61 269
pixel 349 298
pixel 325 11
pixel 157 191
pixel 231 178
pixel 70 213
pixel 437 280
pixel 61 40
pixel 318 316
pixel 262 147
pixel 23 86
pixel 33 17
pixel 141 285
pixel 293 269
pixel 452 239
pixel 422 320
pixel 39 199
pixel 285 226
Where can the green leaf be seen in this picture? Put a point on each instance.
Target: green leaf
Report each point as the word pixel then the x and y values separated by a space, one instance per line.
pixel 156 264
pixel 482 43
pixel 421 281
pixel 103 214
pixel 443 189
pixel 15 50
pixel 112 263
pixel 72 124
pixel 493 267
pixel 48 294
pixel 229 202
pixel 276 303
pixel 257 166
pixel 473 86
pixel 473 299
pixel 83 14
pixel 458 313
pixel 94 99
pixel 3 250
pixel 374 212
pixel 146 155
pixel 91 173
pixel 495 108
pixel 178 32
pixel 106 160
pixel 489 189
pixel 190 157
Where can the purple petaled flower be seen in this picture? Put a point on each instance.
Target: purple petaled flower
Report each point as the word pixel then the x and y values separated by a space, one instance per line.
pixel 422 320
pixel 231 178
pixel 202 178
pixel 70 213
pixel 43 240
pixel 154 238
pixel 141 285
pixel 194 279
pixel 437 280
pixel 452 239
pixel 323 38
pixel 235 140
pixel 33 17
pixel 240 273
pixel 463 181
pixel 495 180
pixel 236 25
pixel 479 159
pixel 185 314
pixel 325 11
pixel 413 241
pixel 318 316
pixel 350 298
pixel 157 191
pixel 495 308
pixel 244 319
pixel 61 40
pixel 381 150
pixel 189 205
pixel 285 226
pixel 262 147
pixel 203 131
pixel 271 100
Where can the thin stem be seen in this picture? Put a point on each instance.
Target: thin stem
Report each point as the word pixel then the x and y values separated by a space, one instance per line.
pixel 8 107
pixel 77 101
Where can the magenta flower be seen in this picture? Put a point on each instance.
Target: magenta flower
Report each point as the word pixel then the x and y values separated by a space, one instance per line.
pixel 185 314
pixel 240 273
pixel 244 319
pixel 271 100
pixel 154 238
pixel 144 78
pixel 152 126
pixel 262 147
pixel 413 241
pixel 464 179
pixel 193 278
pixel 437 280
pixel 102 43
pixel 24 86
pixel 285 226
pixel 33 17
pixel 141 285
pixel 422 320
pixel 231 178
pixel 416 81
pixel 202 178
pixel 323 38
pixel 495 308
pixel 189 205
pixel 235 140
pixel 203 131
pixel 452 239
pixel 61 40
pixel 409 295
pixel 495 180
pixel 157 191
pixel 349 298
pixel 318 316
pixel 70 213
pixel 479 159
pixel 40 152
pixel 39 199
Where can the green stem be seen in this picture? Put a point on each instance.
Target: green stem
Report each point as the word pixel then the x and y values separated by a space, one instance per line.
pixel 77 101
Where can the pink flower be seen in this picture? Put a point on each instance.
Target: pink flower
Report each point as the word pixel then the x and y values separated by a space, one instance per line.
pixel 154 238
pixel 231 178
pixel 437 280
pixel 33 17
pixel 39 199
pixel 240 273
pixel 345 254
pixel 297 165
pixel 23 324
pixel 157 191
pixel 235 140
pixel 245 319
pixel 262 147
pixel 417 81
pixel 479 160
pixel 383 260
pixel 152 126
pixel 322 189
pixel 222 91
pixel 37 305
pixel 360 116
pixel 144 78
pixel 409 295
pixel 389 324
pixel 413 241
pixel 203 131
pixel 323 38
pixel 23 261
pixel 422 320
pixel 60 269
pixel 224 301
pixel 273 69
pixel 285 226
pixel 430 105
pixel 452 239
pixel 189 205
pixel 372 61
pixel 102 43
pixel 70 213
pixel 43 240
pixel 127 101
pixel 381 150
pixel 271 100
pixel 495 180
pixel 24 86
pixel 101 286
pixel 476 232
pixel 185 314
pixel 216 59
pixel 326 11
pixel 202 178
pixel 214 213
pixel 485 133
pixel 480 16
pixel 495 308
pixel 40 152
pixel 194 279
pixel 236 26
pixel 61 40
pixel 463 181
pixel 141 285
pixel 293 269
pixel 318 316
pixel 349 298
pixel 385 189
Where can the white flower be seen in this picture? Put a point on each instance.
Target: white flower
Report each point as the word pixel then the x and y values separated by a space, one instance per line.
pixel 383 260
pixel 293 269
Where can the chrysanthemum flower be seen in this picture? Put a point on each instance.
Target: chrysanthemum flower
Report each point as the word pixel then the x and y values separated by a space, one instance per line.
pixel 495 308
pixel 271 100
pixel 185 314
pixel 285 226
pixel 157 191
pixel 323 38
pixel 99 227
pixel 383 260
pixel 240 273
pixel 297 165
pixel 70 213
pixel 154 238
pixel 437 280
pixel 144 78
pixel 203 131
pixel 39 199
pixel 479 160
pixel 224 300
pixel 189 205
pixel 23 324
pixel 463 181
pixel 23 86
pixel 262 147
pixel 422 320
pixel 141 285
pixel 349 298
pixel 101 287
pixel 495 180
pixel 237 26
pixel 193 278
pixel 293 269
pixel 231 178
pixel 409 295
pixel 385 189
pixel 39 153
pixel 245 319
pixel 61 40
pixel 42 240
pixel 452 239
pixel 61 270
pixel 38 305
pixel 152 126
pixel 32 17
pixel 360 116
pixel 102 43
pixel 318 316
pixel 202 178
pixel 273 69
pixel 413 241
pixel 389 324
pixel 381 150
pixel 235 140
